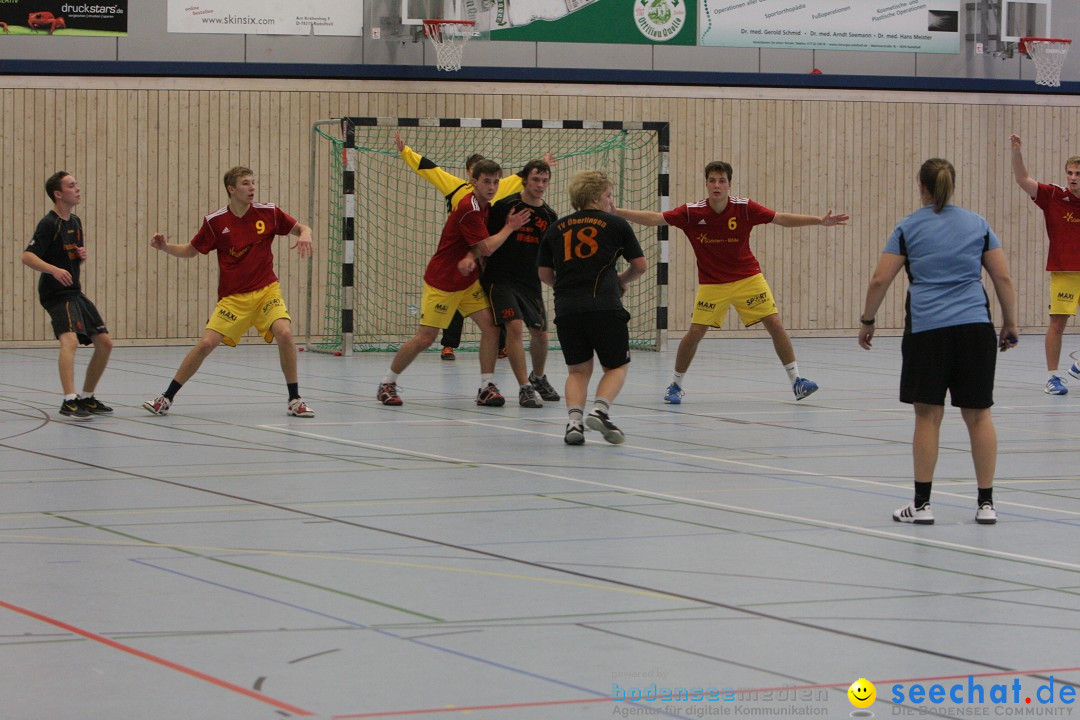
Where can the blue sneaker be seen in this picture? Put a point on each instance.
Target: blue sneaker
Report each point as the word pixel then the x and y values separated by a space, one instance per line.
pixel 804 387
pixel 674 394
pixel 1075 371
pixel 1055 386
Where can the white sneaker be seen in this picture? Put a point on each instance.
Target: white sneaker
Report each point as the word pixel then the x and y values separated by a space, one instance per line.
pixel 910 514
pixel 986 514
pixel 159 405
pixel 299 408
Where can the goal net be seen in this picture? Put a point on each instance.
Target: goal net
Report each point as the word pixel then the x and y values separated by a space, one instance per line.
pixel 386 222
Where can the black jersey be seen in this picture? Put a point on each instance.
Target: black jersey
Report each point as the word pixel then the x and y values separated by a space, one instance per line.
pixel 515 260
pixel 55 241
pixel 582 249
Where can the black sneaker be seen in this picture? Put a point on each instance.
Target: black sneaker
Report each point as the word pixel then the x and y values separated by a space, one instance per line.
pixel 74 410
pixel 490 396
pixel 543 387
pixel 575 435
pixel 95 406
pixel 598 420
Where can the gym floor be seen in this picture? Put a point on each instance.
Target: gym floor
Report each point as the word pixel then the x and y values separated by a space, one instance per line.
pixel 736 556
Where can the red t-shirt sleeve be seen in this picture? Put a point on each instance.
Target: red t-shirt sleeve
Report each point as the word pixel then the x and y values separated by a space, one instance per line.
pixel 759 214
pixel 678 217
pixel 473 228
pixel 1043 195
pixel 283 222
pixel 205 240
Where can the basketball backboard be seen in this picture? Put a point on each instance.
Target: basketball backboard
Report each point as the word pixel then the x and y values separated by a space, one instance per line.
pixel 1025 18
pixel 404 19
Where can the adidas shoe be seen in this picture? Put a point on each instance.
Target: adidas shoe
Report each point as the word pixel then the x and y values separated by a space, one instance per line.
pixel 1056 386
pixel 387 394
pixel 910 514
pixel 598 420
pixel 804 387
pixel 543 387
pixel 575 435
pixel 674 394
pixel 986 514
pixel 447 353
pixel 159 405
pixel 95 406
pixel 490 396
pixel 528 397
pixel 75 410
pixel 299 408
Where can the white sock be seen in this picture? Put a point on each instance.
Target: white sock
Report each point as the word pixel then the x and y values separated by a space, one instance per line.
pixel 390 377
pixel 602 404
pixel 677 378
pixel 68 398
pixel 83 395
pixel 576 415
pixel 486 378
pixel 1053 374
pixel 792 370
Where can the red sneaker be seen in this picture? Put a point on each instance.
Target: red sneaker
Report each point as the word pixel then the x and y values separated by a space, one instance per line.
pixel 387 394
pixel 490 396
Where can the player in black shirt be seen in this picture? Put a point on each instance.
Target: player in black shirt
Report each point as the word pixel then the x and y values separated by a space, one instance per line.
pixel 577 257
pixel 57 251
pixel 514 288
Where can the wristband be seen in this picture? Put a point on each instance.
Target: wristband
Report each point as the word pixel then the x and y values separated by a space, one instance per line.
pixel 866 322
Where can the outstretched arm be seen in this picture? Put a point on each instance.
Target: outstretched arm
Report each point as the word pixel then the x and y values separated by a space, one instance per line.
pixel 1027 183
pixel 642 217
pixel 186 250
pixel 303 243
pixel 794 220
pixel 443 181
pixel 884 273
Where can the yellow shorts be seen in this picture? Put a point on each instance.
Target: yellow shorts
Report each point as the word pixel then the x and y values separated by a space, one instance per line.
pixel 1064 290
pixel 751 297
pixel 234 314
pixel 437 307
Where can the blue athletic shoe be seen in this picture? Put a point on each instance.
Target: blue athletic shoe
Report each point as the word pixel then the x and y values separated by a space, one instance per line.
pixel 1075 371
pixel 674 394
pixel 1055 386
pixel 804 387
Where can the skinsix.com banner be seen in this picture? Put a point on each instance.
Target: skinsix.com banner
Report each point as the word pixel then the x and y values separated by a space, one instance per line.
pixel 929 26
pixel 63 17
pixel 267 17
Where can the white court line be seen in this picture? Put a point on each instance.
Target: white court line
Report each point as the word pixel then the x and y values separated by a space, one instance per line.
pixel 704 503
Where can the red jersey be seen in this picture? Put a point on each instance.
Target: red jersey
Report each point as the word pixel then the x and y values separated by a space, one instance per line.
pixel 1061 209
pixel 465 227
pixel 243 245
pixel 721 241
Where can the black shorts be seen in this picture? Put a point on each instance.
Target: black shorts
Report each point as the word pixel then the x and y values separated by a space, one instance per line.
pixel 78 315
pixel 511 302
pixel 605 333
pixel 960 359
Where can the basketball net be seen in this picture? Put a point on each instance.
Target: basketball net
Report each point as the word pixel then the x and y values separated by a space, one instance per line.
pixel 448 37
pixel 1049 56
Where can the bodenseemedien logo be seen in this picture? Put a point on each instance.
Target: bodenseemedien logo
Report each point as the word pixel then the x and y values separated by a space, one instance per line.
pixel 660 20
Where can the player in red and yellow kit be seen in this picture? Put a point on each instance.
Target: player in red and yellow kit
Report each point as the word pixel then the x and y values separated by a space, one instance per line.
pixel 718 229
pixel 1061 209
pixel 248 290
pixel 451 284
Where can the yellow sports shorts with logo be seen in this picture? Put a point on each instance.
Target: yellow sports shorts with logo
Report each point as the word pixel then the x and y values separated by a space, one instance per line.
pixel 234 314
pixel 751 297
pixel 1064 290
pixel 437 307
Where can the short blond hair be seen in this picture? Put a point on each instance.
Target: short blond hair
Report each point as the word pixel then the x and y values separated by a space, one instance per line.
pixel 1074 160
pixel 587 187
pixel 232 178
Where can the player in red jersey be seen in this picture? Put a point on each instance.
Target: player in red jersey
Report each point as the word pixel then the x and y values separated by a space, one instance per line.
pixel 718 229
pixel 1061 209
pixel 248 289
pixel 451 284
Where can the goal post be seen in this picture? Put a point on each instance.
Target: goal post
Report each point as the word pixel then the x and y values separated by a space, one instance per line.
pixel 388 220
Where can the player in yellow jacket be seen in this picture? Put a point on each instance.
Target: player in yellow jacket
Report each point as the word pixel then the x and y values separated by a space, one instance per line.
pixel 453 189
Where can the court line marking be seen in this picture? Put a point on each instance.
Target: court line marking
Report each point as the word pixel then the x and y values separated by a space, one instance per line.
pixel 158 660
pixel 1001 554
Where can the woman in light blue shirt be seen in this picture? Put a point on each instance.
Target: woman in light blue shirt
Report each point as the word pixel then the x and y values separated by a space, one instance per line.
pixel 949 341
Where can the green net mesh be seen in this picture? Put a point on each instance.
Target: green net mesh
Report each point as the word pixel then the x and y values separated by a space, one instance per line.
pixel 399 216
pixel 333 339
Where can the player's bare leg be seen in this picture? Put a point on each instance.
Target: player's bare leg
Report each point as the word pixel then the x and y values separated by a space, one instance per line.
pixel 69 341
pixel 577 384
pixel 688 346
pixel 515 350
pixel 412 347
pixel 538 350
pixel 282 332
pixel 489 341
pixel 103 345
pixel 1054 331
pixel 194 359
pixel 780 338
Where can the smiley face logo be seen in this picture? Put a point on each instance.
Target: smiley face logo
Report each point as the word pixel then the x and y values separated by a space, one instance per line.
pixel 862 693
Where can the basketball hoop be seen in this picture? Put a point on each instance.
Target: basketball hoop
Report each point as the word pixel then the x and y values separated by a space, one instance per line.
pixel 1049 55
pixel 448 38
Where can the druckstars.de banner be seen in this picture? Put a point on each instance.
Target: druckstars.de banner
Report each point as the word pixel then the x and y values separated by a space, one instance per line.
pixel 81 18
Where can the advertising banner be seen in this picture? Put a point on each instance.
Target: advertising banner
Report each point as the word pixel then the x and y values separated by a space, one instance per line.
pixel 930 26
pixel 267 17
pixel 57 17
pixel 649 22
